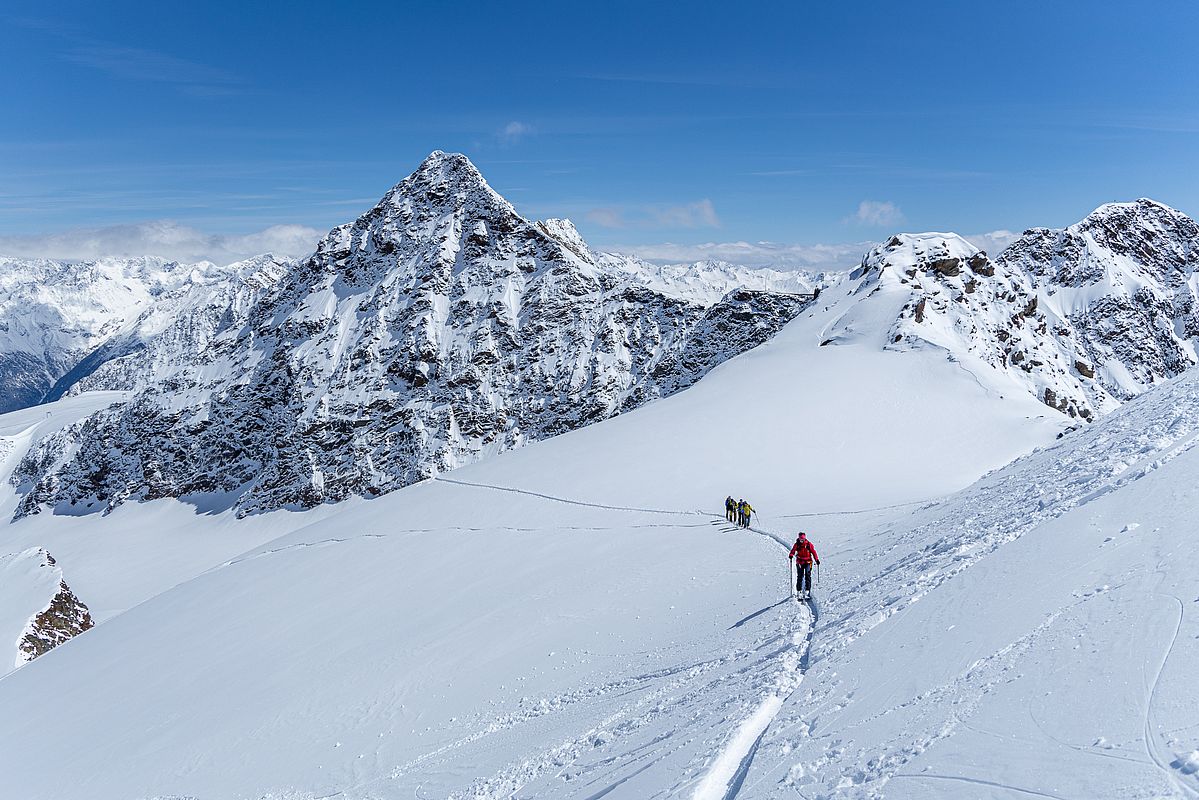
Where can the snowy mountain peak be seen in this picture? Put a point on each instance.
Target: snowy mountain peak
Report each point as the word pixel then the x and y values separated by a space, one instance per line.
pixel 444 178
pixel 441 219
pixel 1157 236
pixel 1125 280
pixel 917 291
pixel 438 328
pixel 941 254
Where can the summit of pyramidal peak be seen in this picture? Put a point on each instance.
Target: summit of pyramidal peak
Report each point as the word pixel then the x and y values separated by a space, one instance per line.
pixel 440 220
pixel 438 328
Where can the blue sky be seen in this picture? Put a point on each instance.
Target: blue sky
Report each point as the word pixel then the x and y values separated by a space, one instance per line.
pixel 800 124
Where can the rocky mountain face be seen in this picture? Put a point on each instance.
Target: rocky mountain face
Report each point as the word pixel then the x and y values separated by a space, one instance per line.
pixel 438 328
pixel 956 298
pixel 1083 317
pixel 441 327
pixel 54 314
pixel 1124 281
pixel 38 611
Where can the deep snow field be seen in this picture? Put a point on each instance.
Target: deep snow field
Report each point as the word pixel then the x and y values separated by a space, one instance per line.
pixel 575 619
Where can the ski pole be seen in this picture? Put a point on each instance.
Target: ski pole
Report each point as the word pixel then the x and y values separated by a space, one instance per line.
pixel 817 573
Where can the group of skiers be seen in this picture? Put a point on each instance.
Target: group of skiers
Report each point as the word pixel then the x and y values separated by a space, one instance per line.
pixel 802 552
pixel 738 511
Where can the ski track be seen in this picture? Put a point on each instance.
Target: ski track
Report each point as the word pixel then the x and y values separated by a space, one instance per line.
pixel 1151 738
pixel 979 782
pixel 727 773
pixel 564 499
pixel 950 540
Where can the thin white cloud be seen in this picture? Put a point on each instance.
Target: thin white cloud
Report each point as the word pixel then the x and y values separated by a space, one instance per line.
pixel 514 131
pixel 165 238
pixel 606 217
pixel 876 214
pixel 700 214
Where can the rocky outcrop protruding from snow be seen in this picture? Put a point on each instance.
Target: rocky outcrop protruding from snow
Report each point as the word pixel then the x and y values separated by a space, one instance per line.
pixel 38 611
pixel 979 310
pixel 1124 282
pixel 439 327
pixel 65 618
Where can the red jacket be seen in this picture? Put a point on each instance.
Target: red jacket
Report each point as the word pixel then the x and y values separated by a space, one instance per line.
pixel 803 552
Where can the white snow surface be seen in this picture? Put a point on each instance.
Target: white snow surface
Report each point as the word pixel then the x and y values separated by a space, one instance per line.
pixel 575 619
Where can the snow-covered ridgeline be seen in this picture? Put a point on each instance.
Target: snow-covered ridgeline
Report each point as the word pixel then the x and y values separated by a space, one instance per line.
pixel 1125 283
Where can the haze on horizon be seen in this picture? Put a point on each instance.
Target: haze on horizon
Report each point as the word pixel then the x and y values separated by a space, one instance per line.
pixel 765 133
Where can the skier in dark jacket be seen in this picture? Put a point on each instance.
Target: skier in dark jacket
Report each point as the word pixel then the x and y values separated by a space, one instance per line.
pixel 804 554
pixel 730 508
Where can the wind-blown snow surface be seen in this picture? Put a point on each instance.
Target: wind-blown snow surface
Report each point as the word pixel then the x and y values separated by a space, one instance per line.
pixel 1030 635
pixel 458 639
pixel 111 563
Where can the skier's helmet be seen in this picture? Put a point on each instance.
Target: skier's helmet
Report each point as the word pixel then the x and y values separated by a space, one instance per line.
pixel 802 535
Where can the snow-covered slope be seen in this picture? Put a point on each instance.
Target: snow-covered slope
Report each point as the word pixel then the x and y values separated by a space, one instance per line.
pixel 437 329
pixel 981 312
pixel 473 636
pixel 112 563
pixel 1124 283
pixel 456 640
pixel 572 619
pixel 53 314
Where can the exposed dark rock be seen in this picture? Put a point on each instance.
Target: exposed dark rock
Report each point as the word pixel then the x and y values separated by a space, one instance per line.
pixel 65 618
pixel 948 267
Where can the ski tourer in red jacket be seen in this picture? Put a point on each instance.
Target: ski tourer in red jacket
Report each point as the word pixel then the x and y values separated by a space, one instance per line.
pixel 802 551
